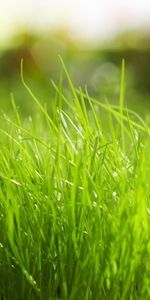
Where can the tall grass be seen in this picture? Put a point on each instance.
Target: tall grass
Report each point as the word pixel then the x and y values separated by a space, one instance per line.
pixel 74 200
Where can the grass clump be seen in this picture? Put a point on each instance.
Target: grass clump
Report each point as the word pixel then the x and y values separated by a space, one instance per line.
pixel 74 209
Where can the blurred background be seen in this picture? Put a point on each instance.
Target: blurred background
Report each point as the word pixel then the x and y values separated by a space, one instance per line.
pixel 91 36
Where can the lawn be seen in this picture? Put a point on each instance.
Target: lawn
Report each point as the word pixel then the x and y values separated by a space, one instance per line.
pixel 74 198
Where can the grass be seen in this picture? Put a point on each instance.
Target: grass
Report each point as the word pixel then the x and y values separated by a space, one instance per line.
pixel 74 200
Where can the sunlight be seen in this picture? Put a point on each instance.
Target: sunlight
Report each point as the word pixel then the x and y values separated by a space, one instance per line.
pixel 85 19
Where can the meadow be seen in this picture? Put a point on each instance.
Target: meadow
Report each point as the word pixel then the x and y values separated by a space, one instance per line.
pixel 74 197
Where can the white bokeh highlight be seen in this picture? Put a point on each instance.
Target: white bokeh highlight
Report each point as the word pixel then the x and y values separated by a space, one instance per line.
pixel 85 19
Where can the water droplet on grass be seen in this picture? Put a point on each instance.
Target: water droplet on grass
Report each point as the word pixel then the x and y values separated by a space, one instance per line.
pixel 114 194
pixel 115 174
pixel 94 204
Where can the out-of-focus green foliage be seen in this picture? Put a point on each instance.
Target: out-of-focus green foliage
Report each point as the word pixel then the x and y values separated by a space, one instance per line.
pixel 98 67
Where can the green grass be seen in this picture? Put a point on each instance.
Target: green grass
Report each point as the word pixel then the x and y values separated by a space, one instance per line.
pixel 74 200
